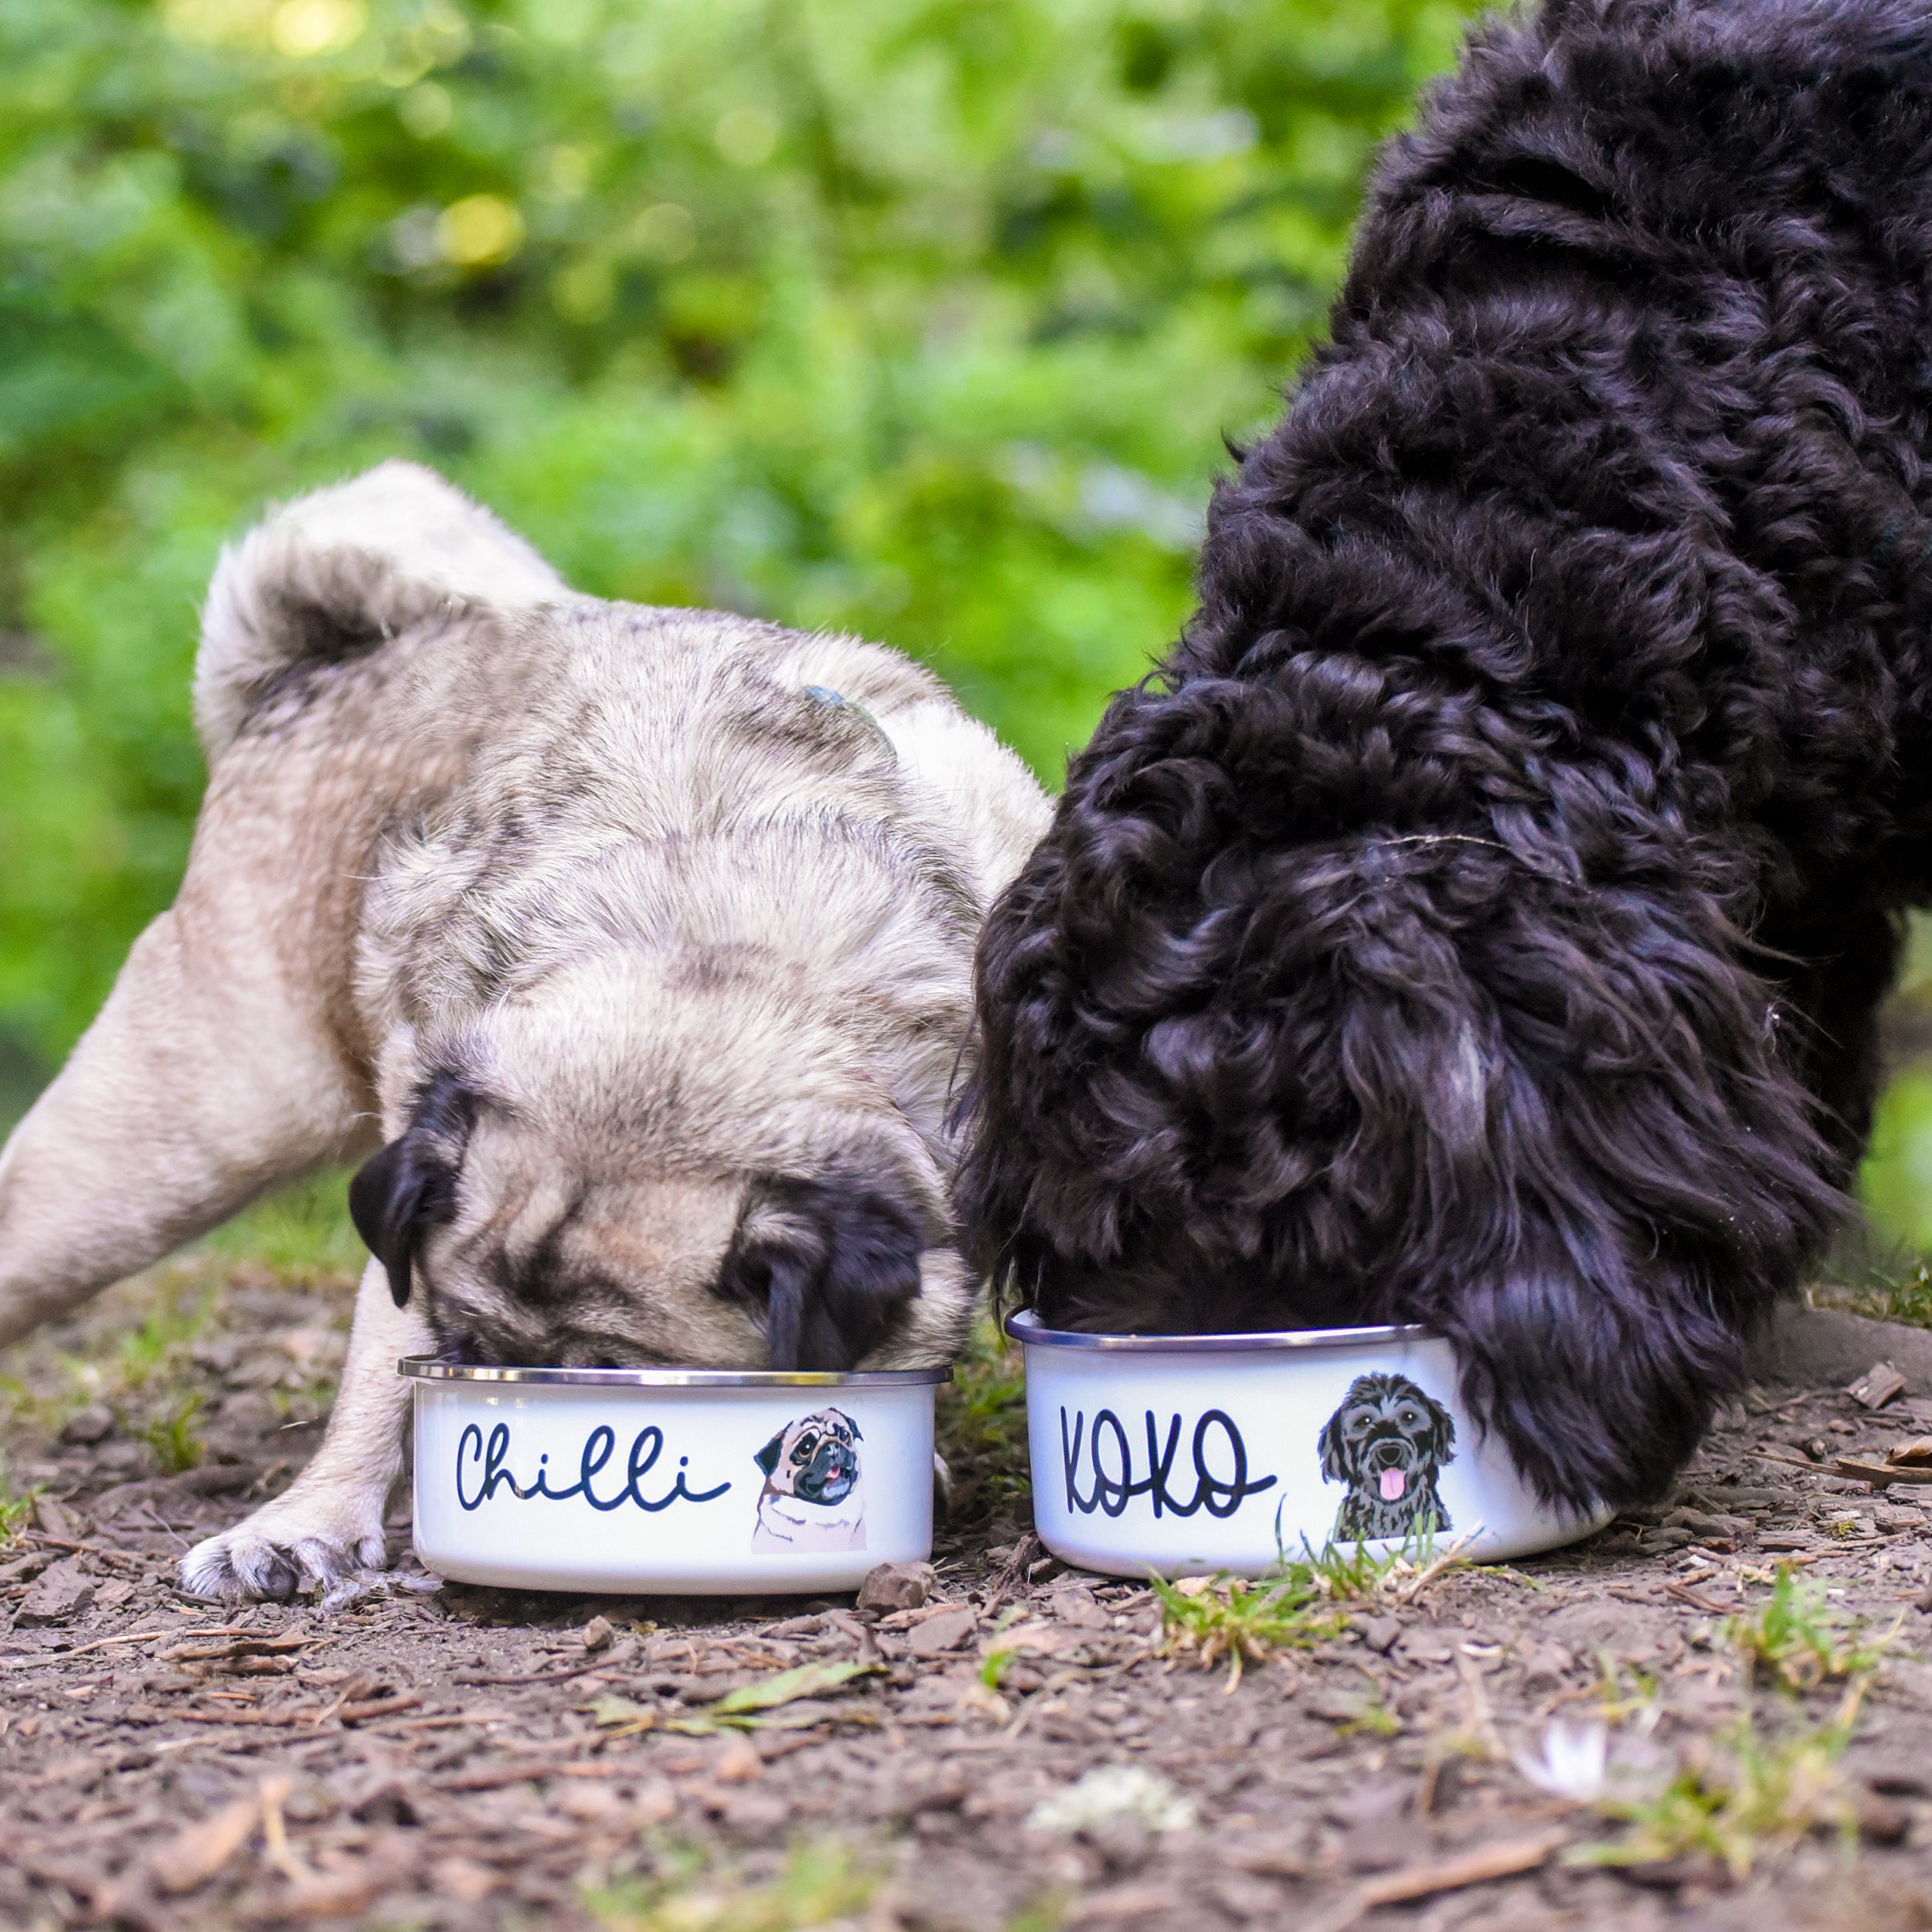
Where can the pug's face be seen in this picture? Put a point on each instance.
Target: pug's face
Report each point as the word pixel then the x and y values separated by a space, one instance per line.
pixel 654 1216
pixel 814 1459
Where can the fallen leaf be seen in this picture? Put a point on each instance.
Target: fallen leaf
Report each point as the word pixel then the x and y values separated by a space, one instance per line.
pixel 737 1710
pixel 609 1712
pixel 1043 1640
pixel 786 1687
pixel 946 1631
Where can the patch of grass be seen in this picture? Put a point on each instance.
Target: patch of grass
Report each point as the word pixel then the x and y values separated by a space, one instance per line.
pixel 35 1407
pixel 1295 1605
pixel 301 1233
pixel 1617 1703
pixel 1734 1800
pixel 16 1508
pixel 1210 1617
pixel 1374 1719
pixel 822 1883
pixel 173 1439
pixel 1795 1640
pixel 993 1667
pixel 183 1309
pixel 980 1428
pixel 1355 1573
pixel 1888 1281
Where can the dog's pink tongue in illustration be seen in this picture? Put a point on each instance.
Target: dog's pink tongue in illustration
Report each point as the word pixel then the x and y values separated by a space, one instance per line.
pixel 1393 1483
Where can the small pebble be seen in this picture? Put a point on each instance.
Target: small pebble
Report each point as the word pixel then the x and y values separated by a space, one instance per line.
pixel 1379 1633
pixel 738 1763
pixel 598 1634
pixel 897 1586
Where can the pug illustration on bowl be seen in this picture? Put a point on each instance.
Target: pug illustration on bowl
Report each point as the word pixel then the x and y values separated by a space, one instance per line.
pixel 812 1499
pixel 1386 1442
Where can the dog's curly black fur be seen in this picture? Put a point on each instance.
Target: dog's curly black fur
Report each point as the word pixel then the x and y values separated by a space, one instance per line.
pixel 1480 917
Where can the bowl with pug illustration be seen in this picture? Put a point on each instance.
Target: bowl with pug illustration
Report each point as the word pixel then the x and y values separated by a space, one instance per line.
pixel 1184 1455
pixel 670 1481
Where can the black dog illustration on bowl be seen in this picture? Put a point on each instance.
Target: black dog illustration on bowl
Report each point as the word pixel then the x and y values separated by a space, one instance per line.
pixel 1386 1443
pixel 812 1499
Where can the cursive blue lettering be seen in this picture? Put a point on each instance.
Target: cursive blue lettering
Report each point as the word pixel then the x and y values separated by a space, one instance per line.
pixel 646 1446
pixel 1221 1491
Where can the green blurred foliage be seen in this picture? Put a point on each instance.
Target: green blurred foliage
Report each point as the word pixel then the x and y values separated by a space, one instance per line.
pixel 1896 1181
pixel 921 320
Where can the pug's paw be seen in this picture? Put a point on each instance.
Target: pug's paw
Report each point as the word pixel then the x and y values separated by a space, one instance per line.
pixel 287 1546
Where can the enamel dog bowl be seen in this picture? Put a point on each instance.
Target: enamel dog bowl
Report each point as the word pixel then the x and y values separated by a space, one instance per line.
pixel 1188 1454
pixel 670 1481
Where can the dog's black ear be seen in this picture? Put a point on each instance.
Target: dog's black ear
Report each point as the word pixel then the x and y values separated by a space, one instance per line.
pixel 767 1457
pixel 1335 1464
pixel 1442 1425
pixel 410 1185
pixel 826 1265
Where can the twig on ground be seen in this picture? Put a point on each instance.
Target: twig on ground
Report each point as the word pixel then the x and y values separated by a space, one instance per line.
pixel 584 1669
pixel 1506 1857
pixel 273 1793
pixel 138 1637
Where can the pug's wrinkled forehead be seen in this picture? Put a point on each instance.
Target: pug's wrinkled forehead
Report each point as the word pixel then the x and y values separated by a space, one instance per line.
pixel 535 1237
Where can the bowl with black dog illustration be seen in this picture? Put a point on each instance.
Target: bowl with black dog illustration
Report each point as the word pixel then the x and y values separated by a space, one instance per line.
pixel 1185 1455
pixel 670 1481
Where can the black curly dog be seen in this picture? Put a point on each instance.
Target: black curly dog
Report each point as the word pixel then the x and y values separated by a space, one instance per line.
pixel 1387 1442
pixel 1479 919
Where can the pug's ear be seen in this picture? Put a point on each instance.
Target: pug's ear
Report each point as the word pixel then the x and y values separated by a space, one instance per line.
pixel 410 1185
pixel 825 1266
pixel 767 1457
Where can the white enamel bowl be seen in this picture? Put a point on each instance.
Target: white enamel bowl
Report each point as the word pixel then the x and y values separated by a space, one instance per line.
pixel 670 1481
pixel 1188 1454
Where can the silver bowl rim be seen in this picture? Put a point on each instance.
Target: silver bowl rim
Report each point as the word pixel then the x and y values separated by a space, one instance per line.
pixel 1026 1328
pixel 428 1368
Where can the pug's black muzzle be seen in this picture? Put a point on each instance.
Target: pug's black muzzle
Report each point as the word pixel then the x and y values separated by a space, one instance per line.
pixel 829 1476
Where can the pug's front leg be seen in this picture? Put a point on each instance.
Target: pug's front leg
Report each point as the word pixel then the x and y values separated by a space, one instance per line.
pixel 327 1524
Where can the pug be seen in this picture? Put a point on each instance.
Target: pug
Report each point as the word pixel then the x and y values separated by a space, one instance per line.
pixel 632 948
pixel 811 1498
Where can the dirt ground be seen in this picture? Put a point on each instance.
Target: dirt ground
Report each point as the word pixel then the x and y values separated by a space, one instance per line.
pixel 1025 1748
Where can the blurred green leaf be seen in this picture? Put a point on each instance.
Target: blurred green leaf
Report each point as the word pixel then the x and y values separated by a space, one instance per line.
pixel 740 1710
pixel 924 322
pixel 787 1686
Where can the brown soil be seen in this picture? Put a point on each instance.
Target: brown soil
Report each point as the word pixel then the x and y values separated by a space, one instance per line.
pixel 432 1757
